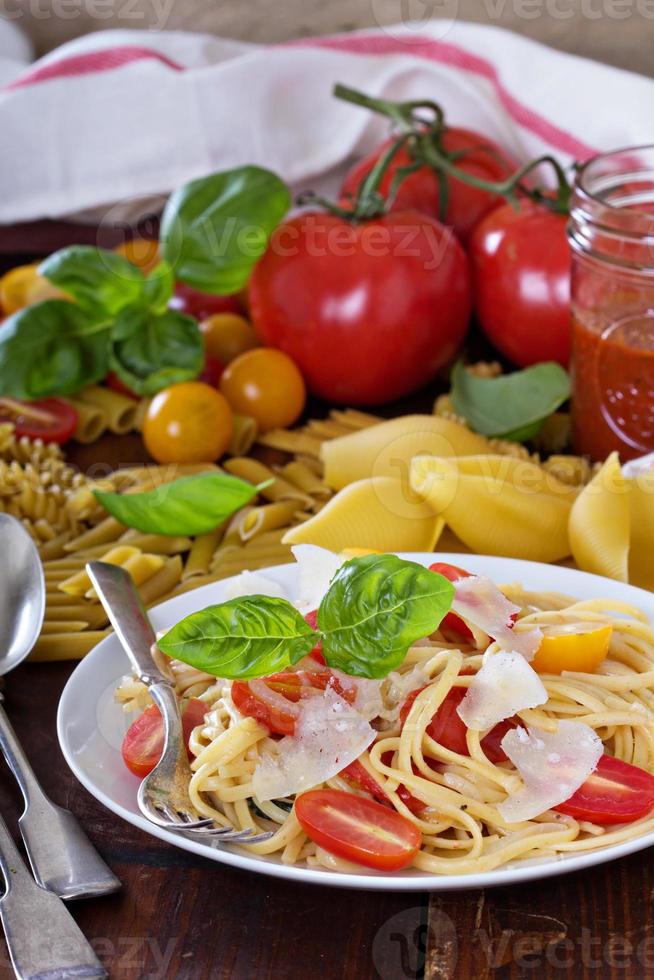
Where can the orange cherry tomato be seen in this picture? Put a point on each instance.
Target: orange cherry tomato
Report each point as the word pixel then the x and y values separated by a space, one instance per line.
pixel 266 384
pixel 187 423
pixel 572 646
pixel 226 335
pixel 141 252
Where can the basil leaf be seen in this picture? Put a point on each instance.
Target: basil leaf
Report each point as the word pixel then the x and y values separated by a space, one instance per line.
pixel 512 406
pixel 100 281
pixel 214 229
pixel 248 637
pixel 188 506
pixel 375 608
pixel 151 351
pixel 52 348
pixel 159 287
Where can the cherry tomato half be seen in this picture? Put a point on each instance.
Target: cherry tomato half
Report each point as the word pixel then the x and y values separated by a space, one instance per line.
pixel 452 626
pixel 50 419
pixel 572 646
pixel 449 730
pixel 143 743
pixel 358 776
pixel 272 700
pixel 616 792
pixel 316 653
pixel 226 335
pixel 201 305
pixel 266 384
pixel 358 829
pixel 187 423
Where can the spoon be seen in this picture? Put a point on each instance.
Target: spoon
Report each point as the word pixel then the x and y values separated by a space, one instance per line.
pixel 61 855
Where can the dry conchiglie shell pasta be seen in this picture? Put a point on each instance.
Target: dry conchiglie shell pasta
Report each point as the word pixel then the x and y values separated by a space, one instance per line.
pixel 600 523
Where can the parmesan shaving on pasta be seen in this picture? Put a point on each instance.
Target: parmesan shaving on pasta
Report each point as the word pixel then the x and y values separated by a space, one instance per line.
pixel 316 568
pixel 504 685
pixel 480 602
pixel 251 583
pixel 329 735
pixel 553 765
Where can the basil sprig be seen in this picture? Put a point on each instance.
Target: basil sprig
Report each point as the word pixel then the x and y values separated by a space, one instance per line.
pixel 375 608
pixel 213 231
pixel 511 406
pixel 188 506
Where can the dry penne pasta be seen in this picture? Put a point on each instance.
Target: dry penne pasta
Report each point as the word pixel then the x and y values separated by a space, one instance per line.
pixel 255 472
pixel 244 435
pixel 201 553
pixel 162 581
pixel 91 420
pixel 63 626
pixel 290 442
pixel 141 567
pixel 301 476
pixel 79 584
pixel 91 613
pixel 119 410
pixel 157 544
pixel 266 518
pixel 103 533
pixel 66 646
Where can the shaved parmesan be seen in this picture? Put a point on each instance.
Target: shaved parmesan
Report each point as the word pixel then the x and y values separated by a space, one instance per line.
pixel 316 568
pixel 329 735
pixel 552 765
pixel 504 685
pixel 480 602
pixel 251 583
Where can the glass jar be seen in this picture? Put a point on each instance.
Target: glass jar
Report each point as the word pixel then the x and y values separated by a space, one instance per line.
pixel 611 233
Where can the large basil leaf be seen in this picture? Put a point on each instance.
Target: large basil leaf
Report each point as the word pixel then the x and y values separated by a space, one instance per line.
pixel 52 348
pixel 100 281
pixel 214 229
pixel 375 608
pixel 188 506
pixel 511 406
pixel 248 637
pixel 159 287
pixel 151 351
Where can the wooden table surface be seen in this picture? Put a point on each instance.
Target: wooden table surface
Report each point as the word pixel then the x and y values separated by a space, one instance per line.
pixel 179 916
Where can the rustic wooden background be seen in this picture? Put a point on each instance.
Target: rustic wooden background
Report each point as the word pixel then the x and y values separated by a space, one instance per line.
pixel 619 32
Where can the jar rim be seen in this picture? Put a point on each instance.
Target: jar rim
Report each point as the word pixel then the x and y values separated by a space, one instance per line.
pixel 599 176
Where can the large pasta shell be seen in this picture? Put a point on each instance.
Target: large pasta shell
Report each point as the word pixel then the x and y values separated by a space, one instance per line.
pixel 600 523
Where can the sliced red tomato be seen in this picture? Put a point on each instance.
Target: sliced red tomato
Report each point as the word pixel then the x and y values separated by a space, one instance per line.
pixel 317 654
pixel 616 792
pixel 357 775
pixel 113 381
pixel 50 419
pixel 143 743
pixel 273 700
pixel 212 371
pixel 452 626
pixel 358 829
pixel 449 730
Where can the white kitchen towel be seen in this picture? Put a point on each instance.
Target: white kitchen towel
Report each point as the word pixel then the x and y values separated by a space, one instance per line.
pixel 120 115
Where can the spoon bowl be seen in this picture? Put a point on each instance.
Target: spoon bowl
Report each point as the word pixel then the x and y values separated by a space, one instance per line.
pixel 22 593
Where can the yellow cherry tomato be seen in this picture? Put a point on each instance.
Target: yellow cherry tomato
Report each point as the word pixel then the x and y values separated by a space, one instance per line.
pixel 141 252
pixel 187 423
pixel 266 384
pixel 226 335
pixel 577 646
pixel 23 286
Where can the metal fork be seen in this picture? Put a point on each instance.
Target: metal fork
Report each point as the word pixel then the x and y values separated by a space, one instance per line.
pixel 163 795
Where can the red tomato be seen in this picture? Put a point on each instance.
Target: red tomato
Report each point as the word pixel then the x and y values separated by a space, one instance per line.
pixel 50 419
pixel 201 305
pixel 449 730
pixel 521 272
pixel 358 829
pixel 271 700
pixel 113 381
pixel 357 775
pixel 420 191
pixel 212 371
pixel 367 311
pixel 143 743
pixel 616 792
pixel 316 653
pixel 452 625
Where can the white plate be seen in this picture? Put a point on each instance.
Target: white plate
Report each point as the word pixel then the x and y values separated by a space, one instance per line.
pixel 90 726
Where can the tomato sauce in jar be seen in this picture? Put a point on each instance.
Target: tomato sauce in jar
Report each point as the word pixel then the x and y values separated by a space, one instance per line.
pixel 611 233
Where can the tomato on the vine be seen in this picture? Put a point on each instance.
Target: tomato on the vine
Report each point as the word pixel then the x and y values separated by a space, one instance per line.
pixel 187 423
pixel 49 419
pixel 521 263
pixel 266 384
pixel 466 205
pixel 369 310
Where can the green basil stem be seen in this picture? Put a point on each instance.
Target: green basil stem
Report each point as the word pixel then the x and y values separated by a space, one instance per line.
pixel 426 147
